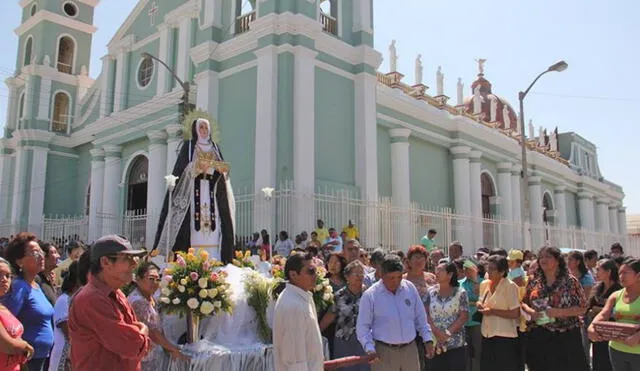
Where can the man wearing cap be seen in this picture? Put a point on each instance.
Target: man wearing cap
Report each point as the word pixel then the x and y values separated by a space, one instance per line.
pixel 105 331
pixel 516 273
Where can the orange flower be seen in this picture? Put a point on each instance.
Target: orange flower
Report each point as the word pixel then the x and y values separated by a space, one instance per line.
pixel 191 251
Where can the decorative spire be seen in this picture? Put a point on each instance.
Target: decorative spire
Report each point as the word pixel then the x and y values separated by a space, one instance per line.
pixel 481 63
pixel 393 57
pixel 419 69
pixel 439 81
pixel 460 95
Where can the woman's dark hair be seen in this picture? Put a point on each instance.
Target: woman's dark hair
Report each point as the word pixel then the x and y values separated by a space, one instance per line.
pixel 619 260
pixel 284 235
pixel 84 267
pixel 294 263
pixel 557 255
pixel 351 266
pixel 71 279
pixel 311 249
pixel 459 263
pixel 501 264
pixel 591 254
pixel 16 248
pixel 417 250
pixel 398 253
pixel 343 264
pixel 452 268
pixel 46 248
pixel 610 266
pixel 632 263
pixel 265 239
pixel 145 267
pixel 482 268
pixel 499 252
pixel 582 268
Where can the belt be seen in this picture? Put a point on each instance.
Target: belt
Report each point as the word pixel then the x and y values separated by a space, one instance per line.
pixel 395 345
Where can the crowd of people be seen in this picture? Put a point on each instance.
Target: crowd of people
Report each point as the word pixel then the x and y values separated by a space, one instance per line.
pixel 426 308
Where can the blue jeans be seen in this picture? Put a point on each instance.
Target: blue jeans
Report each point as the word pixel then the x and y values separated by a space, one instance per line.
pixel 36 364
pixel 622 361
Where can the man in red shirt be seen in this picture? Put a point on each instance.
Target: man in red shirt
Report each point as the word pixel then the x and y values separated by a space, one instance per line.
pixel 104 331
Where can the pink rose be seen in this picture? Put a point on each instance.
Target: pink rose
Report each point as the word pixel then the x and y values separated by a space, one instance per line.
pixel 180 261
pixel 194 276
pixel 214 276
pixel 206 265
pixel 168 278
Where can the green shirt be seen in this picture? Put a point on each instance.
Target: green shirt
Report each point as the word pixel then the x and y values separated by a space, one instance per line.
pixel 428 243
pixel 467 285
pixel 625 313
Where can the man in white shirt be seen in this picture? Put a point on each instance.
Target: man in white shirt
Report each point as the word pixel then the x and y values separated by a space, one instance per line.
pixel 297 341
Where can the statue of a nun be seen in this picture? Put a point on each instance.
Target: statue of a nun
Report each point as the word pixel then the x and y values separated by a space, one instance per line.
pixel 202 204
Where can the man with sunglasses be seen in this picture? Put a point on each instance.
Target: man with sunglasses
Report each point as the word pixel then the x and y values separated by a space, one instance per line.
pixel 105 331
pixel 297 341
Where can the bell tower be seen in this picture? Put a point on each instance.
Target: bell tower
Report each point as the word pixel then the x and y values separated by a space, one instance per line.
pixel 52 65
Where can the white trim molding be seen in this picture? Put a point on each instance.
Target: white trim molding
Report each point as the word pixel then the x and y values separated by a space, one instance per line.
pixel 45 15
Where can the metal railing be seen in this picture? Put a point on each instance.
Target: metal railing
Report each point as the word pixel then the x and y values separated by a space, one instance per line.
pixel 59 127
pixel 243 22
pixel 329 24
pixel 64 67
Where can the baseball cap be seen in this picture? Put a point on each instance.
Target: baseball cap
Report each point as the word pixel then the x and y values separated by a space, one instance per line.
pixel 111 245
pixel 515 255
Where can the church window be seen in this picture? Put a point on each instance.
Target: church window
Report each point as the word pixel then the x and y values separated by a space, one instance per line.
pixel 61 113
pixel 20 110
pixel 329 16
pixel 28 48
pixel 66 50
pixel 245 14
pixel 145 72
pixel 70 9
pixel 34 9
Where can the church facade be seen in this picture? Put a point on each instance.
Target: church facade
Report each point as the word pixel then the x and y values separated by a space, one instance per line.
pixel 305 119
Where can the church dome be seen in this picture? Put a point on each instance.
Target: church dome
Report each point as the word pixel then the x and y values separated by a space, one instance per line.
pixel 484 87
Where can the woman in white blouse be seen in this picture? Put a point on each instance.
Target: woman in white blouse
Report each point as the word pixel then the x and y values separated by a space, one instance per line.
pixel 59 359
pixel 500 306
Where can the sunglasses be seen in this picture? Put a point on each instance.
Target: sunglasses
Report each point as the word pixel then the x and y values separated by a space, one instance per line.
pixel 129 258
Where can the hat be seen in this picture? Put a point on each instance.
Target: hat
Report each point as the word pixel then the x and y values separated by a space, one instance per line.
pixel 111 245
pixel 468 263
pixel 515 255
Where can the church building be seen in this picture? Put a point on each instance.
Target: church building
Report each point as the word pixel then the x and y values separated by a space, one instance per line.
pixel 310 125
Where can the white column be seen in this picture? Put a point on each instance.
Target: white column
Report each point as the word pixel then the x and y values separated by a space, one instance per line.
pixel 475 189
pixel 622 221
pixel 164 48
pixel 4 184
pixel 362 16
pixel 506 210
pixel 265 140
pixel 208 83
pixel 535 212
pixel 44 100
pixel 401 185
pixel 105 86
pixel 516 204
pixel 366 148
pixel 19 188
pixel 156 188
pixel 613 218
pixel 96 194
pixel 120 84
pixel 585 207
pixel 13 106
pixel 560 204
pixel 184 46
pixel 111 191
pixel 304 169
pixel 174 141
pixel 462 194
pixel 37 188
pixel 602 206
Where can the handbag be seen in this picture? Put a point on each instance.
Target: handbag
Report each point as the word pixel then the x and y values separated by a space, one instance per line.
pixel 477 316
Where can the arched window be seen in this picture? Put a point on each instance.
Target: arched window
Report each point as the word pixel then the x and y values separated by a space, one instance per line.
pixel 34 9
pixel 488 191
pixel 28 48
pixel 66 50
pixel 20 110
pixel 245 13
pixel 137 184
pixel 61 113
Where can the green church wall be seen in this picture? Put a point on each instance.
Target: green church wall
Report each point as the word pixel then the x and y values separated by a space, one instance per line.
pixel 237 119
pixel 431 174
pixel 83 177
pixel 62 185
pixel 384 162
pixel 284 144
pixel 334 128
pixel 571 204
pixel 138 94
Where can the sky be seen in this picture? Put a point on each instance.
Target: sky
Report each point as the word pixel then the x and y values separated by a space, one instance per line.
pixel 594 97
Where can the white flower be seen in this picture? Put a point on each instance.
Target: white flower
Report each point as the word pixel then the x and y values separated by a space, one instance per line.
pixel 213 293
pixel 326 297
pixel 164 284
pixel 181 288
pixel 183 282
pixel 217 304
pixel 319 287
pixel 206 308
pixel 170 180
pixel 203 282
pixel 176 301
pixel 328 289
pixel 165 300
pixel 192 303
pixel 165 291
pixel 203 294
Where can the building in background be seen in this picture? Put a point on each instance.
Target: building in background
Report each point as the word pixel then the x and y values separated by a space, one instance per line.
pixel 311 127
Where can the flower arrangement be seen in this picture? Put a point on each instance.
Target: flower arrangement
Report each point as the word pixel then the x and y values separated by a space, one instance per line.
pixel 277 266
pixel 322 292
pixel 191 285
pixel 258 289
pixel 242 260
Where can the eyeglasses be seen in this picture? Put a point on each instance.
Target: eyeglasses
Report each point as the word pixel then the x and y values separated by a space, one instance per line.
pixel 312 271
pixel 5 276
pixel 129 258
pixel 37 254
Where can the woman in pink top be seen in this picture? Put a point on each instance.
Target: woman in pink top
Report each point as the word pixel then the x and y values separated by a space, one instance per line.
pixel 13 350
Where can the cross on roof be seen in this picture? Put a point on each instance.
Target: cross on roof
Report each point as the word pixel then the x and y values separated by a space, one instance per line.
pixel 153 11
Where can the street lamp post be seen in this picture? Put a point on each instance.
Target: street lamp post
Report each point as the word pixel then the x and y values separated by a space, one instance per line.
pixel 184 85
pixel 524 193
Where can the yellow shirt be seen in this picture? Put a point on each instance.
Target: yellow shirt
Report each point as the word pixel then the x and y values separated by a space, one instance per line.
pixel 323 234
pixel 352 232
pixel 505 297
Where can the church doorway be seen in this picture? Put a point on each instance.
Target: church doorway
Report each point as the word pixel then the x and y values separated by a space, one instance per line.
pixel 547 214
pixel 137 184
pixel 489 227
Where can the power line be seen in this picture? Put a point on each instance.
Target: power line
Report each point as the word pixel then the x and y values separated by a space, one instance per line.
pixel 587 97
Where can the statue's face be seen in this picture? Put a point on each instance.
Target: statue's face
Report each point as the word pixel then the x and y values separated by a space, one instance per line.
pixel 203 130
